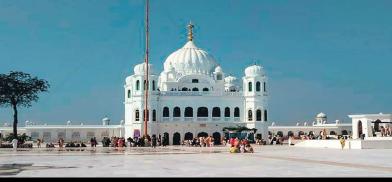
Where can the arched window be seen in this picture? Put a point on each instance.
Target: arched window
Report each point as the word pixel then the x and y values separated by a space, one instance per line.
pixel 227 112
pixel 236 112
pixel 195 89
pixel 202 112
pixel 137 115
pixel 264 86
pixel 188 112
pixel 153 85
pixel 265 115
pixel 154 115
pixel 176 112
pixel 137 84
pixel 219 76
pixel 184 89
pixel 205 89
pixel 166 112
pixel 144 115
pixel 258 85
pixel 250 86
pixel 258 115
pixel 250 117
pixel 216 112
pixel 145 85
pixel 129 93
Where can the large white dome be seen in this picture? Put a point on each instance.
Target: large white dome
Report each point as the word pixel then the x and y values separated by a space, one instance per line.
pixel 190 60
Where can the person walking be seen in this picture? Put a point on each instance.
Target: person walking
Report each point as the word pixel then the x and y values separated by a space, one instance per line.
pixel 14 143
pixel 154 141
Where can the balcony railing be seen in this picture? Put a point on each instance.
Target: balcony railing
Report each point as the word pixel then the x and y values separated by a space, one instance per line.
pixel 176 119
pixel 199 93
pixel 202 118
pixel 216 118
pixel 188 118
pixel 165 119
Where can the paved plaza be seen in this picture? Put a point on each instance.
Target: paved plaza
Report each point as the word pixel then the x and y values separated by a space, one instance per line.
pixel 267 161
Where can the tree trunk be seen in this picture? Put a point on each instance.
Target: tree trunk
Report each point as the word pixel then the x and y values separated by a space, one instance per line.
pixel 15 120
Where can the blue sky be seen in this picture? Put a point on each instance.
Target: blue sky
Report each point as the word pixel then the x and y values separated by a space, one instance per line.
pixel 332 56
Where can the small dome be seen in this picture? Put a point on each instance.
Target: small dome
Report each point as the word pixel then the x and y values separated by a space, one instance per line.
pixel 321 115
pixel 230 79
pixel 218 69
pixel 254 70
pixel 139 69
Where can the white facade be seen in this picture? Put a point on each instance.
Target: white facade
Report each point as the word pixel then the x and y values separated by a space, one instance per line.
pixel 321 123
pixel 192 95
pixel 369 124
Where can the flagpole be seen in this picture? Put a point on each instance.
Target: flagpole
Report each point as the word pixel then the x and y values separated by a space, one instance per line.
pixel 146 86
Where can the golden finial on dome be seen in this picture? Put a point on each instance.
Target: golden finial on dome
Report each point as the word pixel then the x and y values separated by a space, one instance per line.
pixel 190 31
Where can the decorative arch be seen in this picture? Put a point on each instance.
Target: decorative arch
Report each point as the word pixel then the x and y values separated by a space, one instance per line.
pixel 188 112
pixel 202 134
pixel 227 112
pixel 236 112
pixel 165 112
pixel 188 136
pixel 258 87
pixel 176 138
pixel 265 115
pixel 250 115
pixel 137 115
pixel 258 115
pixel 137 84
pixel 154 115
pixel 216 112
pixel 206 89
pixel 176 112
pixel 195 89
pixel 202 112
pixel 217 138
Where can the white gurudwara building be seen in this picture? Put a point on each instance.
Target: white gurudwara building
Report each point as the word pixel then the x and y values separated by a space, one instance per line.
pixel 193 97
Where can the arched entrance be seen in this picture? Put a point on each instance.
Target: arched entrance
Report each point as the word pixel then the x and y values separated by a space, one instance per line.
pixel 217 138
pixel 359 128
pixel 202 134
pixel 344 132
pixel 188 136
pixel 290 133
pixel 165 140
pixel 176 138
pixel 377 125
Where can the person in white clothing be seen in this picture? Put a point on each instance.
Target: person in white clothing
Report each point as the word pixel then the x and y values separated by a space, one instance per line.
pixel 14 143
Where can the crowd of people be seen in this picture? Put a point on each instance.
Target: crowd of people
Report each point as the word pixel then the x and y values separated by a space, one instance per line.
pixel 386 131
pixel 200 142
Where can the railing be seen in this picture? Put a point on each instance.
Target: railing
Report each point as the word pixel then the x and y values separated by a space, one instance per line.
pixel 227 119
pixel 202 118
pixel 216 118
pixel 176 119
pixel 199 93
pixel 165 119
pixel 236 119
pixel 188 118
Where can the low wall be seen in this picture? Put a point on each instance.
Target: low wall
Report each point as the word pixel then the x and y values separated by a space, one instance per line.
pixel 350 144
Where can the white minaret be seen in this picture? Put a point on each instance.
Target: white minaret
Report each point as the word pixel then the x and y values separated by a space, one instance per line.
pixel 255 93
pixel 219 79
pixel 134 100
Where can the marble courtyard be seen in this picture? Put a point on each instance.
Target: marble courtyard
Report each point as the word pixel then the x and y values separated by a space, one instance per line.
pixel 267 161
